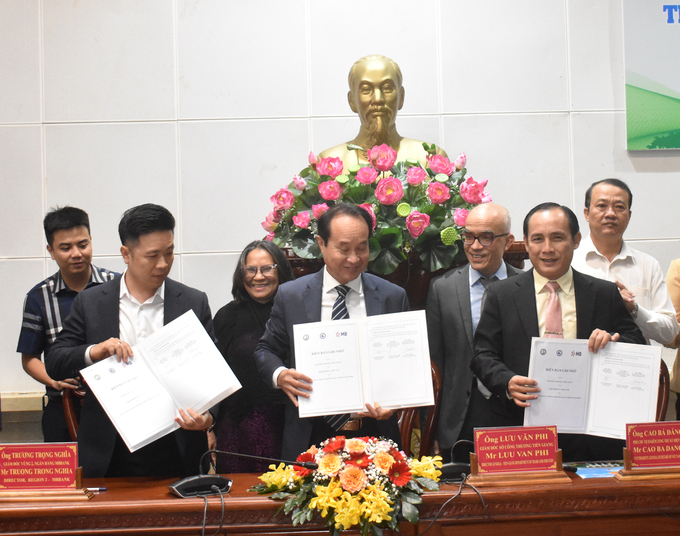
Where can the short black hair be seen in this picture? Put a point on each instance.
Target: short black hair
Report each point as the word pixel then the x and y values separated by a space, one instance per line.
pixel 142 220
pixel 571 217
pixel 341 209
pixel 61 219
pixel 285 272
pixel 614 182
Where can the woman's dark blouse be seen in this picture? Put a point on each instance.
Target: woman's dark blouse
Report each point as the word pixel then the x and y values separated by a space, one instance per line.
pixel 251 420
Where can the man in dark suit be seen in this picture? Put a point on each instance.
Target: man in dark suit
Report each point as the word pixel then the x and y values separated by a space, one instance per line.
pixel 516 310
pixel 343 234
pixel 453 308
pixel 107 321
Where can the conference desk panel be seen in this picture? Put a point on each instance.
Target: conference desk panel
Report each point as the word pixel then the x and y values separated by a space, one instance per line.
pixel 144 506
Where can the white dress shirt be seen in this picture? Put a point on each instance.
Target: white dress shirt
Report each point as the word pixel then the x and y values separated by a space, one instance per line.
pixel 354 301
pixel 136 320
pixel 642 275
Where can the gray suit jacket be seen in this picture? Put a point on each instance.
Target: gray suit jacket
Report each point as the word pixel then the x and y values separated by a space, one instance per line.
pixel 449 327
pixel 299 302
pixel 93 319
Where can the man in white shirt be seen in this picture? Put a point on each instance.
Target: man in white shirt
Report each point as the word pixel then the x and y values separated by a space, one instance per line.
pixel 107 320
pixel 605 254
pixel 343 235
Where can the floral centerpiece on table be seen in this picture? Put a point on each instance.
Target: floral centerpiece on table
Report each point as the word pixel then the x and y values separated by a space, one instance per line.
pixel 412 206
pixel 362 482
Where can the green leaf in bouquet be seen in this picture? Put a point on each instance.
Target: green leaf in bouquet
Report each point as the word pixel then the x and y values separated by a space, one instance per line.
pixel 304 245
pixel 353 147
pixel 390 254
pixel 358 194
pixel 410 512
pixel 434 254
pixel 437 214
pixel 309 197
pixel 458 175
pixel 427 483
pixel 374 248
pixel 410 497
pixel 307 171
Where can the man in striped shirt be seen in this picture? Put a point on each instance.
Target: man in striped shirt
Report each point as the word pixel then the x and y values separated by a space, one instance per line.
pixel 48 304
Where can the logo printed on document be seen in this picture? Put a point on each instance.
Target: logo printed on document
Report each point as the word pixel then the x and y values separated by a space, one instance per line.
pixel 322 335
pixel 305 337
pixel 543 351
pixel 559 353
pixel 112 371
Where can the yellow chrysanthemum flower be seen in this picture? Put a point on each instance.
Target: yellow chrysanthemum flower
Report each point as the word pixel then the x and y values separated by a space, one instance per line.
pixel 427 467
pixel 326 497
pixel 279 476
pixel 347 511
pixel 375 504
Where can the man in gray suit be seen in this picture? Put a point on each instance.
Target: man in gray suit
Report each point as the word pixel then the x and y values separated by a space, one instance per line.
pixel 342 286
pixel 453 309
pixel 107 320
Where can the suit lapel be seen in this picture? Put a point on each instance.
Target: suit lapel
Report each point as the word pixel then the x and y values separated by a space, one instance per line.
pixel 525 302
pixel 171 306
pixel 372 298
pixel 109 310
pixel 461 286
pixel 311 297
pixel 585 305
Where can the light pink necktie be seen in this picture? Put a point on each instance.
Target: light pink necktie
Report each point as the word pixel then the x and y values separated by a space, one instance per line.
pixel 553 313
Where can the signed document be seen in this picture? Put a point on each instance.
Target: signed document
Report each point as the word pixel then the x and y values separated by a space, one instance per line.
pixel 383 359
pixel 595 394
pixel 177 367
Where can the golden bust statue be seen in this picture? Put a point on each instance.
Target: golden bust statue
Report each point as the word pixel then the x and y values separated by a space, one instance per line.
pixel 376 94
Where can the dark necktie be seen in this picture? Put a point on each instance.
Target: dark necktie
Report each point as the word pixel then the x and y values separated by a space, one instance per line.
pixel 339 313
pixel 485 283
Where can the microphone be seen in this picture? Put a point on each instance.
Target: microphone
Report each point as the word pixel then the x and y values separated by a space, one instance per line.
pixel 202 484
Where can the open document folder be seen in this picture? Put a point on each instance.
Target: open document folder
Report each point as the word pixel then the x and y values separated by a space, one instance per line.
pixel 383 359
pixel 595 394
pixel 177 367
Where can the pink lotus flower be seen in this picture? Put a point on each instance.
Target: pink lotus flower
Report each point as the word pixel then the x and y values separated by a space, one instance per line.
pixel 460 161
pixel 460 216
pixel 330 166
pixel 369 208
pixel 271 221
pixel 283 199
pixel 416 175
pixel 440 164
pixel 383 157
pixel 438 193
pixel 389 190
pixel 312 158
pixel 318 210
pixel 416 222
pixel 473 192
pixel 330 190
pixel 299 182
pixel 367 175
pixel 269 237
pixel 302 220
pixel 486 197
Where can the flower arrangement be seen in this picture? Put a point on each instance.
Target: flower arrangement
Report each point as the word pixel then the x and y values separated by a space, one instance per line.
pixel 362 482
pixel 412 206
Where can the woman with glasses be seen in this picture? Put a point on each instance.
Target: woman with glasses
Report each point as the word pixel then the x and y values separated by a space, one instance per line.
pixel 251 420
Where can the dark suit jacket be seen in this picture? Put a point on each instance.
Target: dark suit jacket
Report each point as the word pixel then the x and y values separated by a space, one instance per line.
pixel 299 302
pixel 93 319
pixel 509 321
pixel 449 327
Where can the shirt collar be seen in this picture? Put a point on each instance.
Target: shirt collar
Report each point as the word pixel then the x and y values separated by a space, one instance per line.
pixel 592 251
pixel 125 293
pixel 329 283
pixel 566 282
pixel 501 273
pixel 58 284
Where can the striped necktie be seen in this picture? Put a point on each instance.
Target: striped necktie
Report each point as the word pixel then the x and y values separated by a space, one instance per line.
pixel 339 313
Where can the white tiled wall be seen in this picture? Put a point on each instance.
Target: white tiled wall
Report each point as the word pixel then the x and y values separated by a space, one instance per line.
pixel 209 106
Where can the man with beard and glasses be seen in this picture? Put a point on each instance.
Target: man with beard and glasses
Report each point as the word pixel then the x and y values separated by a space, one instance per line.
pixel 376 94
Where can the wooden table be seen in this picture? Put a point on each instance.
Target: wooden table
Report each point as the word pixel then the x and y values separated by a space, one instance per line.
pixel 143 506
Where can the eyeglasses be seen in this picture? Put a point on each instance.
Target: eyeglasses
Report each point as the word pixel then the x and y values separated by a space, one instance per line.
pixel 266 270
pixel 485 239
